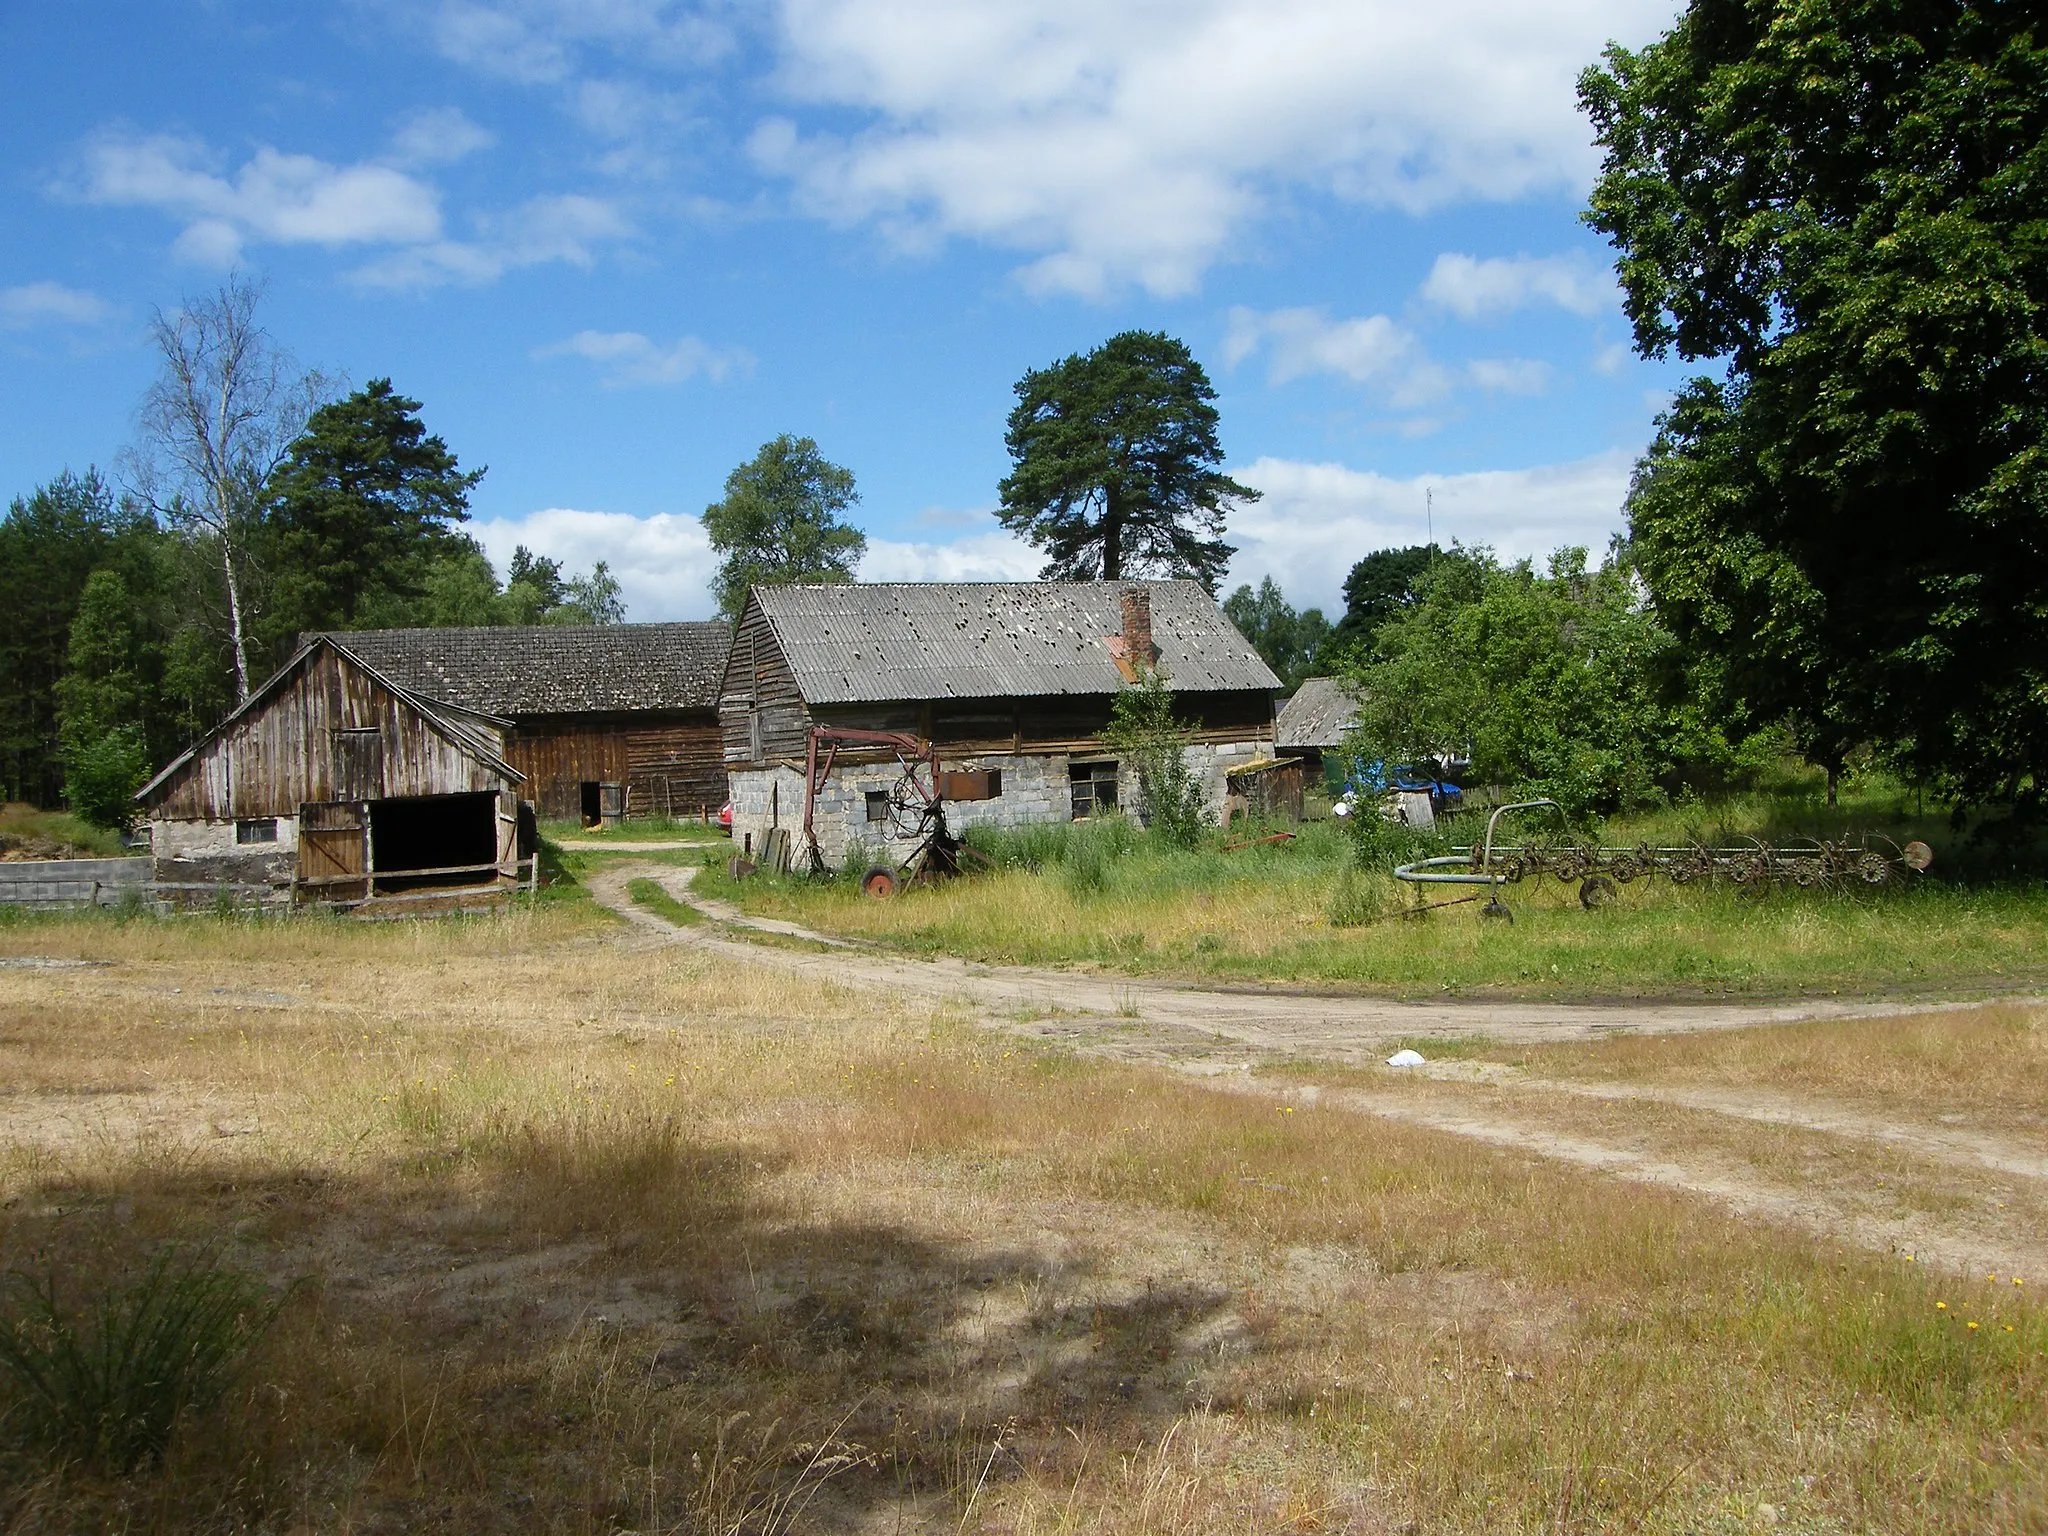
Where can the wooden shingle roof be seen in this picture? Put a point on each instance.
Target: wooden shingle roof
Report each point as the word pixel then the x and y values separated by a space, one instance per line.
pixel 555 669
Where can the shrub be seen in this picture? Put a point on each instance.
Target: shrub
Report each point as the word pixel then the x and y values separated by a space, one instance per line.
pixel 107 1379
pixel 1142 730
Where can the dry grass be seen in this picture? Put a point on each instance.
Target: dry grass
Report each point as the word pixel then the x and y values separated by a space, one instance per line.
pixel 605 1239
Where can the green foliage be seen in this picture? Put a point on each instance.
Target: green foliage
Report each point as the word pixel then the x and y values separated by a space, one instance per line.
pixel 1290 643
pixel 1143 732
pixel 1561 684
pixel 359 513
pixel 780 522
pixel 652 895
pixel 107 1377
pixel 1362 896
pixel 100 736
pixel 594 599
pixel 1115 461
pixel 1847 202
pixel 1381 586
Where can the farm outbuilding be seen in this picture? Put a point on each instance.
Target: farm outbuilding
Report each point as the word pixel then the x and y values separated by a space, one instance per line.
pixel 1314 722
pixel 1011 682
pixel 602 720
pixel 333 783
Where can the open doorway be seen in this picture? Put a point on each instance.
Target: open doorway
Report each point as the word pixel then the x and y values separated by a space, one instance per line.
pixel 434 840
pixel 593 803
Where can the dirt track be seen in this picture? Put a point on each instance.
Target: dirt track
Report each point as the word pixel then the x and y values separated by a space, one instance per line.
pixel 1986 1186
pixel 1178 1023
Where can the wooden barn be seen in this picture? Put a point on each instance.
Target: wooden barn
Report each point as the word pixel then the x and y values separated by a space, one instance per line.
pixel 605 721
pixel 333 783
pixel 1012 681
pixel 1313 725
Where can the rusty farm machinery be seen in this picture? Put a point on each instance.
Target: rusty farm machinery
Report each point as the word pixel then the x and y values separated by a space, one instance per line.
pixel 1753 866
pixel 914 814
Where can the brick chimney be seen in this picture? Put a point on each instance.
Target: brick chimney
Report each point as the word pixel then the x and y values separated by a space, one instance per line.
pixel 1138 647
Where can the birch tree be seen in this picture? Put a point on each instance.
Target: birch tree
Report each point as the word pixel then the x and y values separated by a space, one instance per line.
pixel 219 419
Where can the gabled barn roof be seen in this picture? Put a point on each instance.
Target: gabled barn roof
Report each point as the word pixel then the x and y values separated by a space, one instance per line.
pixel 453 725
pixel 554 669
pixel 1319 714
pixel 880 642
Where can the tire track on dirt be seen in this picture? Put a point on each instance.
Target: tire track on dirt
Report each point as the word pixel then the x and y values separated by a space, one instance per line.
pixel 1221 1035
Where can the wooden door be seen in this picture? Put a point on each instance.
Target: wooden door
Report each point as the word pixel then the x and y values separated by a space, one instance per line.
pixel 334 856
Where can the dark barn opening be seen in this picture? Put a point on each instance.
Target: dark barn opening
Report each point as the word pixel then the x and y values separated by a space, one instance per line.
pixel 452 838
pixel 593 807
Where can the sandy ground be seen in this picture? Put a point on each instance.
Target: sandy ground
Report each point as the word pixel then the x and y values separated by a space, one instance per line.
pixel 1986 1191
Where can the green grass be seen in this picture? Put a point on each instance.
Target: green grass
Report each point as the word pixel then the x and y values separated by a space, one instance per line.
pixel 649 829
pixel 649 894
pixel 1109 897
pixel 55 834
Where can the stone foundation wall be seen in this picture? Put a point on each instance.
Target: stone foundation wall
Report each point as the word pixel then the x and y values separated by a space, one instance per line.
pixel 1036 789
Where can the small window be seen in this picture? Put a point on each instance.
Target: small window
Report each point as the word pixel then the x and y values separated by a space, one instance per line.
pixel 257 829
pixel 878 805
pixel 995 783
pixel 1094 787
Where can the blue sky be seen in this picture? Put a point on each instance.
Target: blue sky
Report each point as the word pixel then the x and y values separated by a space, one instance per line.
pixel 614 245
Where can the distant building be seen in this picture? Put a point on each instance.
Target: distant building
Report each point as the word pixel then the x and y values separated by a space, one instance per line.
pixel 605 720
pixel 333 783
pixel 1012 681
pixel 1313 724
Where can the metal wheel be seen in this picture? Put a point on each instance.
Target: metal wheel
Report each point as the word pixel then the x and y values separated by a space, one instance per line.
pixel 879 882
pixel 1497 910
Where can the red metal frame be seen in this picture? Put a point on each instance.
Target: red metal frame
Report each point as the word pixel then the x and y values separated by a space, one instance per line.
pixel 911 751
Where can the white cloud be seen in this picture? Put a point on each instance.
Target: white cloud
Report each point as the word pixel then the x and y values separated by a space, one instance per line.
pixel 1509 375
pixel 988 555
pixel 35 304
pixel 1132 142
pixel 567 228
pixel 1316 520
pixel 439 136
pixel 664 563
pixel 1476 290
pixel 1371 349
pixel 286 198
pixel 549 41
pixel 627 357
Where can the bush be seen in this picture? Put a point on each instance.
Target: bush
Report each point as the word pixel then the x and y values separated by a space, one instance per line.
pixel 1361 897
pixel 102 774
pixel 107 1380
pixel 1142 730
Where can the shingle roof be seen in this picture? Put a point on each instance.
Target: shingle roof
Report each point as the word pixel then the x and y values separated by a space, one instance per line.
pixel 1318 715
pixel 876 642
pixel 554 669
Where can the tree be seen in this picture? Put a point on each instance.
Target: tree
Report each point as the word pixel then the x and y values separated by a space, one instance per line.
pixel 104 746
pixel 51 542
pixel 1291 643
pixel 780 522
pixel 1115 457
pixel 1561 683
pixel 1142 730
pixel 594 599
pixel 215 424
pixel 1846 203
pixel 361 511
pixel 1385 583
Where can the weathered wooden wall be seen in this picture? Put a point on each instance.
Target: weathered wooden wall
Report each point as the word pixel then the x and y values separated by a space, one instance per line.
pixel 761 713
pixel 329 733
pixel 667 760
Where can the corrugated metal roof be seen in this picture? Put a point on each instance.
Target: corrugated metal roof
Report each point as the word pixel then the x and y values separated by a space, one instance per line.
pixel 876 642
pixel 554 669
pixel 1321 711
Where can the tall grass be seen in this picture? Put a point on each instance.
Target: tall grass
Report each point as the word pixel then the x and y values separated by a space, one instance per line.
pixel 107 1378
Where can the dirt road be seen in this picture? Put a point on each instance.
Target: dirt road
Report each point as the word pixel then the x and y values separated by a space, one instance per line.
pixel 1953 1197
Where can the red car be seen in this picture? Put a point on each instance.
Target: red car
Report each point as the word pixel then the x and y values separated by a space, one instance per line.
pixel 725 817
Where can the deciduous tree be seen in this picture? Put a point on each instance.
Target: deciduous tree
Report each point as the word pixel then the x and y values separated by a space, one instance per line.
pixel 781 521
pixel 1845 202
